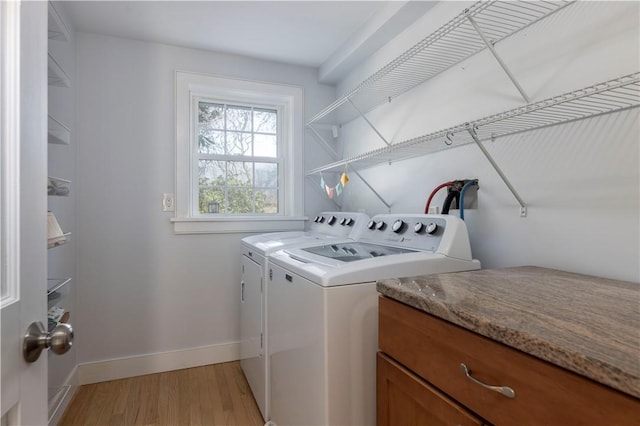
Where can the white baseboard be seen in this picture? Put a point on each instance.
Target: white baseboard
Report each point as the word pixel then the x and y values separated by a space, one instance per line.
pixel 69 388
pixel 122 368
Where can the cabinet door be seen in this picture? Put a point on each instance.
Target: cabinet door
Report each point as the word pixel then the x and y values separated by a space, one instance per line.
pixel 405 399
pixel 250 309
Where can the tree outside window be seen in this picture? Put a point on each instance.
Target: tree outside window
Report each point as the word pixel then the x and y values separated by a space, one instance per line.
pixel 237 159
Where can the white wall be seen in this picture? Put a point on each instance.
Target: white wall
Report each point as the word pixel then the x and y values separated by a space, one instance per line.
pixel 142 289
pixel 580 180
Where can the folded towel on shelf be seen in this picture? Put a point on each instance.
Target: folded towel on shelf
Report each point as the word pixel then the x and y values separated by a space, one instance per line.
pixel 57 188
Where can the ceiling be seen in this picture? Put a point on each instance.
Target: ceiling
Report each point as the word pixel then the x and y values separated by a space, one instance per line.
pixel 308 33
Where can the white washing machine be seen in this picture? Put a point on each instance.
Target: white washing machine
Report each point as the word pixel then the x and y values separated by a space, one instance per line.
pixel 327 227
pixel 322 306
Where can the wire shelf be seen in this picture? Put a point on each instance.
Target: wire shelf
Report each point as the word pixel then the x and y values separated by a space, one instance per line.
pixel 447 46
pixel 603 98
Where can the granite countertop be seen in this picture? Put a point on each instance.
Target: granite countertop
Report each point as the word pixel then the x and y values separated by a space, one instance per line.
pixel 585 324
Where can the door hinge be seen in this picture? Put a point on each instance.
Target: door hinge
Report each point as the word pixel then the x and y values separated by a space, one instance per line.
pixel 270 274
pixel 243 269
pixel 261 340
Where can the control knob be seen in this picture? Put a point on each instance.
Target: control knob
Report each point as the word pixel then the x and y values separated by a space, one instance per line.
pixel 331 220
pixel 343 221
pixel 348 221
pixel 380 225
pixel 371 225
pixel 431 228
pixel 418 227
pixel 321 219
pixel 398 226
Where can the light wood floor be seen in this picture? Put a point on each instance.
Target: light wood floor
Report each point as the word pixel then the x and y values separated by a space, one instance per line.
pixel 210 395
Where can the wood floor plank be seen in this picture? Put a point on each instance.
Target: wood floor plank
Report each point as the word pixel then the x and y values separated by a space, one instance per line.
pixel 209 395
pixel 121 389
pixel 82 403
pixel 168 398
pixel 104 399
pixel 232 375
pixel 149 395
pixel 133 403
pixel 225 397
pixel 195 414
pixel 184 396
pixel 206 407
pixel 214 397
pixel 249 404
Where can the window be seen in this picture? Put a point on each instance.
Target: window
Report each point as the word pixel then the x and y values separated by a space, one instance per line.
pixel 238 155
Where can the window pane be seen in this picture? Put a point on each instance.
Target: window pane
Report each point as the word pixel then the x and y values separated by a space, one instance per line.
pixel 238 118
pixel 211 172
pixel 240 200
pixel 237 187
pixel 266 175
pixel 238 143
pixel 211 200
pixel 239 173
pixel 267 201
pixel 265 146
pixel 210 115
pixel 211 142
pixel 265 121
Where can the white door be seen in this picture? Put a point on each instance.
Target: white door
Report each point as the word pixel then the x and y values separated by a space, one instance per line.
pixel 23 205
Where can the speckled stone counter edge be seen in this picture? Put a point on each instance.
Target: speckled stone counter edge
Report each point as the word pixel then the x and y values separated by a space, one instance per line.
pixel 607 374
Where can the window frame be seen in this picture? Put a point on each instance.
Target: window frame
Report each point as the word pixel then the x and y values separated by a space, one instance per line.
pixel 288 100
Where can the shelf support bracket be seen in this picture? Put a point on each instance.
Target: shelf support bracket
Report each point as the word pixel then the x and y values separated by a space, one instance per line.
pixel 523 207
pixel 368 122
pixel 370 187
pixel 326 144
pixel 500 61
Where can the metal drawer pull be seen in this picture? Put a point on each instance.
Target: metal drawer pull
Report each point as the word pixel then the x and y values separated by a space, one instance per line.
pixel 505 390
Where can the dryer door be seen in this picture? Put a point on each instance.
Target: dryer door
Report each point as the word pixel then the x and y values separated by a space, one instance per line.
pixel 250 309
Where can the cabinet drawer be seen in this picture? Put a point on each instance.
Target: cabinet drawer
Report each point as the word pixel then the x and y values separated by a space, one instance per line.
pixel 544 393
pixel 405 399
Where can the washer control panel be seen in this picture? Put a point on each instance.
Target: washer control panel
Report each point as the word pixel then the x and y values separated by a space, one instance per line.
pixel 344 224
pixel 419 231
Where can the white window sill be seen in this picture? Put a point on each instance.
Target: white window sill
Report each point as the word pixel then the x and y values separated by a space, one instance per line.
pixel 230 225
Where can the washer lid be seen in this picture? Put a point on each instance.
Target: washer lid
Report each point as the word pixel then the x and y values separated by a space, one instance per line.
pixel 268 243
pixel 350 252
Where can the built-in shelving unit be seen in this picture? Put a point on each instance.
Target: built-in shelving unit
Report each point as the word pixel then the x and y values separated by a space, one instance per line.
pixel 57 28
pixel 58 133
pixel 479 27
pixel 57 75
pixel 57 289
pixel 60 291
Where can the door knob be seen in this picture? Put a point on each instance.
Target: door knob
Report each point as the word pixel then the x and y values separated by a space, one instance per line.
pixel 37 339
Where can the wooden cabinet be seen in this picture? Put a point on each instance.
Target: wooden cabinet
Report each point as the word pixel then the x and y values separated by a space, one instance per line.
pixel 405 399
pixel 433 349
